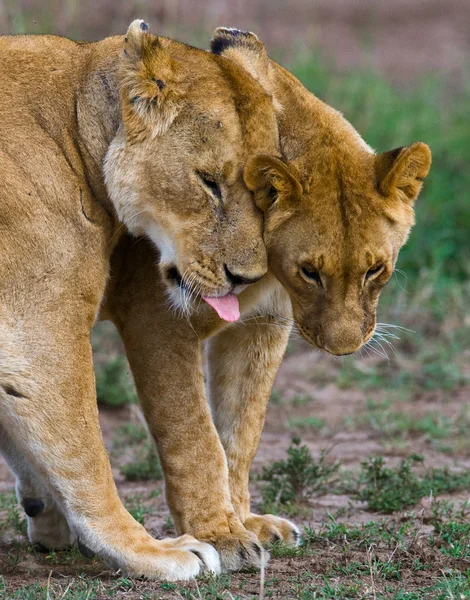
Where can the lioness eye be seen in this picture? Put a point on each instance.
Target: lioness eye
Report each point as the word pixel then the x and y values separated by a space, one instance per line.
pixel 311 275
pixel 374 271
pixel 212 185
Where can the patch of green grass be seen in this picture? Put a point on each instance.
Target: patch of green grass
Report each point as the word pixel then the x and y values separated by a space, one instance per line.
pixel 81 588
pixel 137 508
pixel 114 383
pixel 64 557
pixel 384 418
pixel 454 539
pixel 306 423
pixel 130 434
pixel 391 489
pixel 209 587
pixel 144 463
pixel 292 481
pixel 14 513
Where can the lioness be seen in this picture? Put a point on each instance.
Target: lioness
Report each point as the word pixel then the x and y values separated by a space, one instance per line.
pixel 174 127
pixel 336 216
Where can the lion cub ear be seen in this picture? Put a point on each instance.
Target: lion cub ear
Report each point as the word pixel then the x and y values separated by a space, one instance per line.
pixel 403 170
pixel 246 49
pixel 148 82
pixel 272 181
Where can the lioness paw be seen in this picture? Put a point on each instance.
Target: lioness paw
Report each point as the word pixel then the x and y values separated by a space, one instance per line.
pixel 177 559
pixel 270 529
pixel 240 551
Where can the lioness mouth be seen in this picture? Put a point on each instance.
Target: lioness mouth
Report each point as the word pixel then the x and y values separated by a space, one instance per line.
pixel 227 307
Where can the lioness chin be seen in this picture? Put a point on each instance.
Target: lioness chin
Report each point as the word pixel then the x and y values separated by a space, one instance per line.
pixel 174 128
pixel 336 216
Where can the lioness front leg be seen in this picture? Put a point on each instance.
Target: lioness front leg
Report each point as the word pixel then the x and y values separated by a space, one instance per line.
pixel 243 362
pixel 165 356
pixel 52 422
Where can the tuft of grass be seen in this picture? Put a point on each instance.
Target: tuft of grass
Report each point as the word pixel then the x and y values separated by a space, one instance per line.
pixel 453 539
pixel 306 423
pixel 388 490
pixel 114 383
pixel 144 463
pixel 137 508
pixel 14 513
pixel 292 481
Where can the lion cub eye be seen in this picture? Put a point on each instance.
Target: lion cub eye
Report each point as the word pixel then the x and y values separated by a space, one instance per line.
pixel 372 273
pixel 311 275
pixel 212 185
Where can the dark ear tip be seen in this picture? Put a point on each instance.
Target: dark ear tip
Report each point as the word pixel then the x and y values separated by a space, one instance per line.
pixel 227 37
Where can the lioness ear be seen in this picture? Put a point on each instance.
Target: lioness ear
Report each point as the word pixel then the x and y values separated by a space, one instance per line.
pixel 148 82
pixel 272 181
pixel 403 170
pixel 244 48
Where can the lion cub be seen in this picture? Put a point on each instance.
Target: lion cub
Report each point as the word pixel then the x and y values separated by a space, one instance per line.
pixel 336 216
pixel 174 127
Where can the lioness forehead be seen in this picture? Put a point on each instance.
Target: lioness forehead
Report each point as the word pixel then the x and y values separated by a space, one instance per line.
pixel 223 96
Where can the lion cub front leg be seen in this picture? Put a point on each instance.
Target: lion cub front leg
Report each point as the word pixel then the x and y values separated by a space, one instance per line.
pixel 243 362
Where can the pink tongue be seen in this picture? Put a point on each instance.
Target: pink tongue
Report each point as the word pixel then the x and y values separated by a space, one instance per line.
pixel 226 306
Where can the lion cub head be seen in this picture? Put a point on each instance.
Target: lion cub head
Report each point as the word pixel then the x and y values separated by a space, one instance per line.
pixel 333 239
pixel 337 213
pixel 190 121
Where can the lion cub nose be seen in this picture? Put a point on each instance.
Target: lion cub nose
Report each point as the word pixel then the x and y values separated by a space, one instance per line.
pixel 235 279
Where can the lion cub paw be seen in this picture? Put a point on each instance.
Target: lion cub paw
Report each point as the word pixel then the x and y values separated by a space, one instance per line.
pixel 270 529
pixel 240 551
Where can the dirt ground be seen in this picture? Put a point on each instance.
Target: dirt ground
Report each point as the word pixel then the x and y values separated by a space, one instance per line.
pixel 307 386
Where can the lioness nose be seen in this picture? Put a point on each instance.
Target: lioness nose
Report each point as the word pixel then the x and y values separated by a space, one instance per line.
pixel 235 279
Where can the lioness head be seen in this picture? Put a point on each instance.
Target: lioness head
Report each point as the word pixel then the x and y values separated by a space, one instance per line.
pixel 337 215
pixel 190 121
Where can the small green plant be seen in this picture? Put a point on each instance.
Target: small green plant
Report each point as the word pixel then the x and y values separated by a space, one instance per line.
pixel 145 464
pixel 114 383
pixel 130 434
pixel 295 479
pixel 14 514
pixel 453 539
pixel 390 489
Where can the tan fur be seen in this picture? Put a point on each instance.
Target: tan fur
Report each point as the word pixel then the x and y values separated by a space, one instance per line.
pixel 160 116
pixel 332 206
